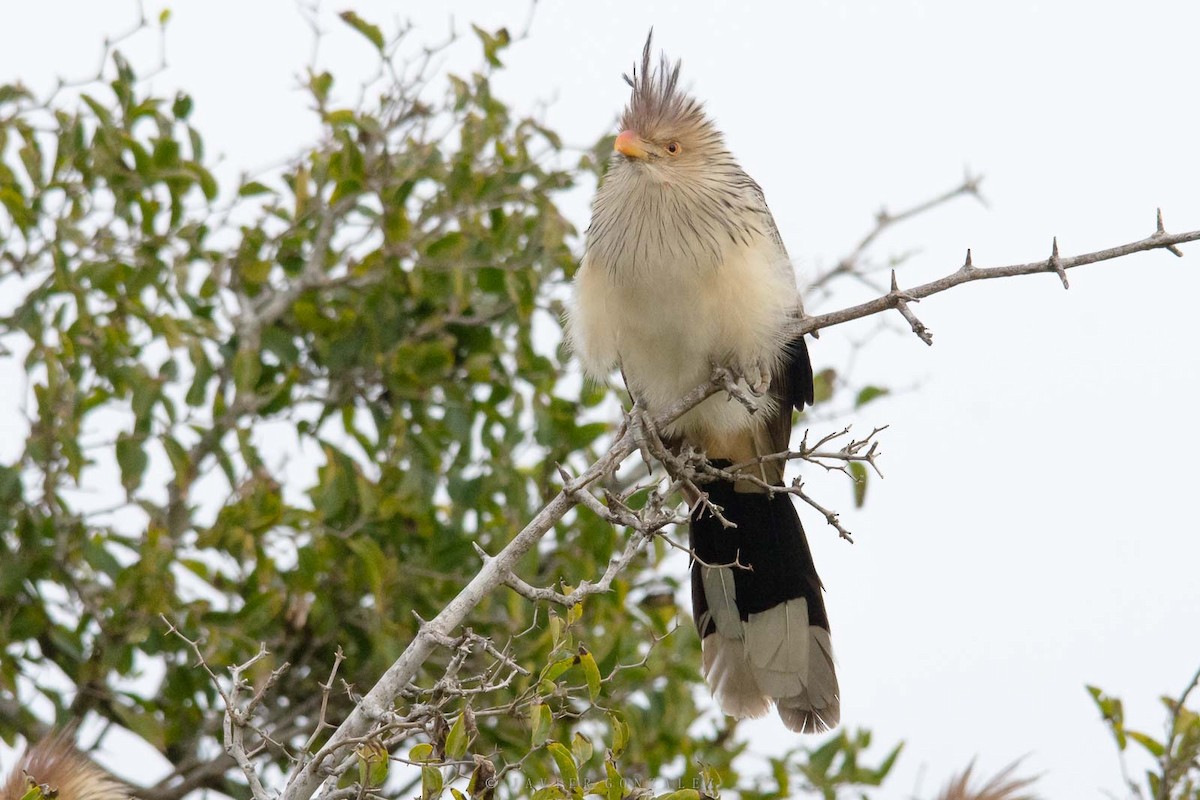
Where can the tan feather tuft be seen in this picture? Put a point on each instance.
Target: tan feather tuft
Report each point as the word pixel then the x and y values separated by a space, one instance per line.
pixel 1001 787
pixel 55 763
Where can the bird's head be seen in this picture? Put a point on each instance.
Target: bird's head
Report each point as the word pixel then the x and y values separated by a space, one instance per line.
pixel 663 130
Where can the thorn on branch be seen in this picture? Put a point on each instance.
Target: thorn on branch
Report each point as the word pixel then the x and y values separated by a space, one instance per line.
pixel 831 517
pixel 1055 263
pixel 900 301
pixel 483 554
pixel 968 264
pixel 1161 231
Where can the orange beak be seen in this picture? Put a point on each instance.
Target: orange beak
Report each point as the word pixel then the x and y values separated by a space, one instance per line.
pixel 629 144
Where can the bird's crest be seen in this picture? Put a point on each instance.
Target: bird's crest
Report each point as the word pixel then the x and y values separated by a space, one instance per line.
pixel 657 102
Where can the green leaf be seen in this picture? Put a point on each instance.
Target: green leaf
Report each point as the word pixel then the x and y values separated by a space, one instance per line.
pixel 431 783
pixel 823 385
pixel 247 368
pixel 182 107
pixel 166 153
pixel 10 93
pixel 539 720
pixel 203 374
pixel 450 246
pixel 396 226
pixel 620 734
pixel 1154 747
pixel 821 759
pixel 581 748
pixel 320 85
pixel 615 788
pixel 564 761
pixel 592 394
pixel 14 203
pixel 33 790
pixel 456 739
pixel 591 673
pixel 180 460
pixel 372 763
pixel 132 459
pixel 371 32
pixel 208 184
pixel 252 188
pixel 1113 712
pixel 102 114
pixel 859 473
pixel 421 752
pixel 584 435
pixel 555 670
pixel 869 393
pixel 493 43
pixel 886 767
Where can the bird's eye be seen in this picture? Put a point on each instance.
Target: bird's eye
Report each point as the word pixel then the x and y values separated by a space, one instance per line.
pixel 674 149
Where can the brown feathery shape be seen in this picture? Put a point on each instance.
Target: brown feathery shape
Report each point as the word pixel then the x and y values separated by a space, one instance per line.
pixel 57 764
pixel 1002 786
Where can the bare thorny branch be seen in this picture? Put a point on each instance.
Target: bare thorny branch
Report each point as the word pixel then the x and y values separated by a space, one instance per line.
pixel 900 298
pixel 238 715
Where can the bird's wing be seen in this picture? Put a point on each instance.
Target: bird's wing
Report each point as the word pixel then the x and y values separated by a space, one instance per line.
pixel 792 387
pixel 792 383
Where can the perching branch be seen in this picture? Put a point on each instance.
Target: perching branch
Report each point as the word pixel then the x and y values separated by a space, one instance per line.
pixel 1159 240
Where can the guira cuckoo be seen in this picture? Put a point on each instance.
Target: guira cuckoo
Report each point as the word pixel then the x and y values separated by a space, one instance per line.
pixel 684 270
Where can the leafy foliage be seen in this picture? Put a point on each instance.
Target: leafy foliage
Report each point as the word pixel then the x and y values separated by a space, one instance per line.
pixel 282 415
pixel 1175 774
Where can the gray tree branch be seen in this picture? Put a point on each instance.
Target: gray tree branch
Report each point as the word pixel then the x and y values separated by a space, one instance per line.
pixel 968 272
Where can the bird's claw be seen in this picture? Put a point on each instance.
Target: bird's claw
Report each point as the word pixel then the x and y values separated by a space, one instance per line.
pixel 758 378
pixel 645 433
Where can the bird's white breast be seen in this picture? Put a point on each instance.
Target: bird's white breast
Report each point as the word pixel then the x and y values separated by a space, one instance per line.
pixel 667 321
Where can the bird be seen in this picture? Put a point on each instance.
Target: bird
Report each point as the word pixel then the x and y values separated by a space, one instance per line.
pixel 57 766
pixel 684 269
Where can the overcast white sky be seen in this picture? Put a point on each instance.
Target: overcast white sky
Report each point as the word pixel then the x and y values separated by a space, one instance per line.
pixel 1037 529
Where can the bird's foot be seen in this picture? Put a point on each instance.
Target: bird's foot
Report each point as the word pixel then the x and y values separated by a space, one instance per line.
pixel 757 377
pixel 754 375
pixel 646 435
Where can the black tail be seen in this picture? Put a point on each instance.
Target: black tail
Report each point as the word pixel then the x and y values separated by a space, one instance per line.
pixel 756 600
